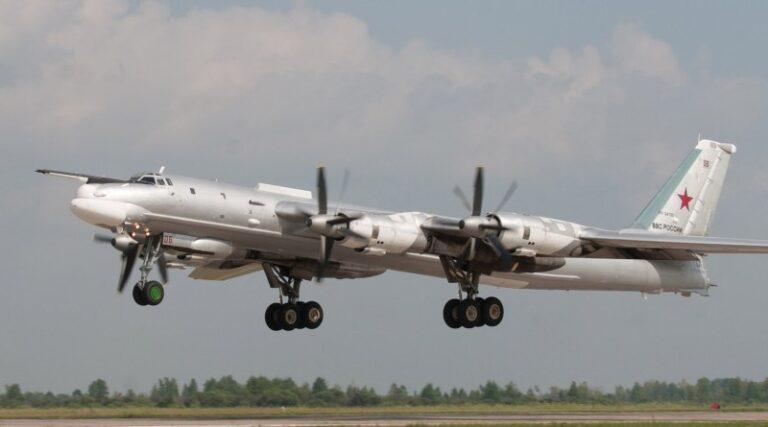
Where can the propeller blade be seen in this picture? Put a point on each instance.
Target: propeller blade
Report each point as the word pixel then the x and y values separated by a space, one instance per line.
pixel 322 195
pixel 510 191
pixel 326 246
pixel 470 248
pixel 102 238
pixel 499 249
pixel 129 259
pixel 462 197
pixel 162 266
pixel 344 182
pixel 477 197
pixel 343 219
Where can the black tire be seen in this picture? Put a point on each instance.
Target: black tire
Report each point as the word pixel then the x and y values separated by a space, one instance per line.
pixel 302 317
pixel 154 292
pixel 469 312
pixel 288 316
pixel 138 295
pixel 270 316
pixel 451 313
pixel 480 319
pixel 313 314
pixel 493 311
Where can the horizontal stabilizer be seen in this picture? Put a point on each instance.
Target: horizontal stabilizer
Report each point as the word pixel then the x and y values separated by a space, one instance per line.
pixel 697 244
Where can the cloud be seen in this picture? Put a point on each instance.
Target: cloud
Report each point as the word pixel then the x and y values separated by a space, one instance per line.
pixel 637 52
pixel 245 82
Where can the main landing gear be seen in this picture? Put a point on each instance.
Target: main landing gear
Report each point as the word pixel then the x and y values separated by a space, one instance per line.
pixel 291 314
pixel 469 310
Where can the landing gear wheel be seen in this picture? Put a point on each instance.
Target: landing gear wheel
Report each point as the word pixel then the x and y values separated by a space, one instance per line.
pixel 469 313
pixel 288 316
pixel 302 323
pixel 313 315
pixel 480 319
pixel 451 313
pixel 154 292
pixel 270 316
pixel 493 311
pixel 138 295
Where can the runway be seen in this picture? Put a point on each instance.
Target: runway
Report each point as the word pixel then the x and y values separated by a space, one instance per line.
pixel 406 420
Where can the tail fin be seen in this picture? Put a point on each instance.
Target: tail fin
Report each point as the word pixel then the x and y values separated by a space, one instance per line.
pixel 686 203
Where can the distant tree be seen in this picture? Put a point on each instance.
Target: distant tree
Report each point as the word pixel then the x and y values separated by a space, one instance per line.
pixel 362 396
pixel 319 386
pixel 512 394
pixel 490 392
pixel 98 391
pixel 703 392
pixel 190 395
pixel 397 395
pixel 430 395
pixel 13 396
pixel 165 393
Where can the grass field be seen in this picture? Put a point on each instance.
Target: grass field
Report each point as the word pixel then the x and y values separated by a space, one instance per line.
pixel 384 411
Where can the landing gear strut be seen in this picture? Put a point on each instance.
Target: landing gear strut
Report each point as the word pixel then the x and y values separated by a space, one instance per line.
pixel 469 310
pixel 149 292
pixel 291 314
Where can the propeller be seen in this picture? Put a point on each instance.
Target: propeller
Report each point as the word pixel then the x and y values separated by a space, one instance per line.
pixel 326 225
pixel 485 228
pixel 130 250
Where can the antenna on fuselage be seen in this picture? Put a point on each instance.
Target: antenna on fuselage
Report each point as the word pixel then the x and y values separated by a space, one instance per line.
pixel 162 169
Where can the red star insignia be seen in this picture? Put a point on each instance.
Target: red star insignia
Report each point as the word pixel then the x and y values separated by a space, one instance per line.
pixel 685 199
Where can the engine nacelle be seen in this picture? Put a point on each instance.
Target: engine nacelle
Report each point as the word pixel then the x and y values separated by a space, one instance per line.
pixel 122 242
pixel 396 233
pixel 540 236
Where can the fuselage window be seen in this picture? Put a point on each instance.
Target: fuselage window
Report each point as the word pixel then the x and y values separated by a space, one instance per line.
pixel 223 196
pixel 168 180
pixel 192 190
pixel 526 232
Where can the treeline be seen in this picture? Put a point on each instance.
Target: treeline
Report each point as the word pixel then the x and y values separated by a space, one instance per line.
pixel 264 392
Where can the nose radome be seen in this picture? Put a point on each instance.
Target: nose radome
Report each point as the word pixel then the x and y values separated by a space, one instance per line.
pixel 86 191
pixel 103 212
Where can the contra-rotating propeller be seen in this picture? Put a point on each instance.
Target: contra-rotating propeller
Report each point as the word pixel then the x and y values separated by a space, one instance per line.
pixel 479 227
pixel 327 225
pixel 130 250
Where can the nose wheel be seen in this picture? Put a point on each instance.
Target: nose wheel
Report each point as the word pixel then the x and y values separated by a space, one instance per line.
pixel 149 293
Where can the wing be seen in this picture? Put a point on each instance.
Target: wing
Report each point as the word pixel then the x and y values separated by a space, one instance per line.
pixel 702 245
pixel 224 270
pixel 88 179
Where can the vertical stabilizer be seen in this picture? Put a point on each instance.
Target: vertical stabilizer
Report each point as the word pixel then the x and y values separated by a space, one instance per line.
pixel 687 201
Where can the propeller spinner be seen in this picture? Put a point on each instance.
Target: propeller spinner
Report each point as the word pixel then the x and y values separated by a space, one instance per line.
pixel 483 228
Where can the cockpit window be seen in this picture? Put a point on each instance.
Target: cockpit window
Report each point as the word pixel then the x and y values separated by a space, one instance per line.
pixel 147 180
pixel 169 181
pixel 160 181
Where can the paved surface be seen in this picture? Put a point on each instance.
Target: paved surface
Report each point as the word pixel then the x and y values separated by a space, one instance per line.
pixel 394 420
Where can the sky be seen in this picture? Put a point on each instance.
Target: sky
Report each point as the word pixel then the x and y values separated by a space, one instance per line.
pixel 588 105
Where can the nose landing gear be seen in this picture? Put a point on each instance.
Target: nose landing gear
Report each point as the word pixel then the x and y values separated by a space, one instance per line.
pixel 150 292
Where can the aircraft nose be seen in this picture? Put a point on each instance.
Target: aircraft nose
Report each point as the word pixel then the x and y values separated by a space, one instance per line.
pixel 86 191
pixel 101 212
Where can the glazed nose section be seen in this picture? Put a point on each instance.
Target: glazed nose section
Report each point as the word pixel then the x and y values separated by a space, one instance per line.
pixel 100 212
